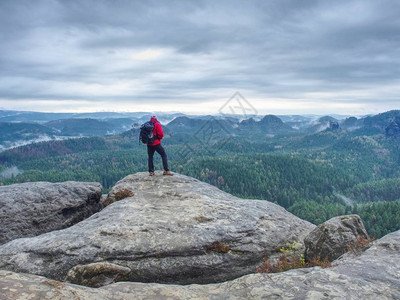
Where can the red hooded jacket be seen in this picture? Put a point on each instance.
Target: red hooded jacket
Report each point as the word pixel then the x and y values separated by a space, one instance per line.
pixel 157 131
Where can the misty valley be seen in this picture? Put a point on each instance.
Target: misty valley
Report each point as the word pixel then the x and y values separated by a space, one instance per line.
pixel 316 167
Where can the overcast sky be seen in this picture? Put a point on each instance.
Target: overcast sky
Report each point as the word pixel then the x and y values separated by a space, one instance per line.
pixel 284 57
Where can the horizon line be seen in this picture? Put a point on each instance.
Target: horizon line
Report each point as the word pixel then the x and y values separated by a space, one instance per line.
pixel 193 113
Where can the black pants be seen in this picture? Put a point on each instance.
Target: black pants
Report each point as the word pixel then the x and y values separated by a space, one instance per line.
pixel 160 150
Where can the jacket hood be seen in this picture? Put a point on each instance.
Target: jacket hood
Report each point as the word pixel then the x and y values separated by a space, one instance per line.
pixel 153 120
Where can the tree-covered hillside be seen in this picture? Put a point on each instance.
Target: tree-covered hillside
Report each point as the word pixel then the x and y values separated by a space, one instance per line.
pixel 315 176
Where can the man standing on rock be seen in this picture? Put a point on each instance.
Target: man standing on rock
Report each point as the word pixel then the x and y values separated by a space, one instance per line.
pixel 156 146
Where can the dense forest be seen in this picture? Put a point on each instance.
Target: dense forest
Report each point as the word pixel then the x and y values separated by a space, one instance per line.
pixel 315 176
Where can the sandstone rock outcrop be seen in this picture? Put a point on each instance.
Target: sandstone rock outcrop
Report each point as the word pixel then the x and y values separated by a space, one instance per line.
pixel 333 238
pixel 33 208
pixel 372 275
pixel 175 229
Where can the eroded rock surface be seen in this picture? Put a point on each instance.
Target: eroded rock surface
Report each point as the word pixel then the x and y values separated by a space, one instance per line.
pixel 372 275
pixel 33 208
pixel 175 229
pixel 97 274
pixel 333 238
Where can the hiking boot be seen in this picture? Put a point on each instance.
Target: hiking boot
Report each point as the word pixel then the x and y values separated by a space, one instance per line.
pixel 168 173
pixel 151 174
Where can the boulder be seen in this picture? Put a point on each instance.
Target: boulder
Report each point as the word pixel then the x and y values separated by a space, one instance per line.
pixel 32 208
pixel 372 275
pixel 175 229
pixel 333 238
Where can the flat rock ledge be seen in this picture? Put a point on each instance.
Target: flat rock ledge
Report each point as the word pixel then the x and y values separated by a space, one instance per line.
pixel 32 208
pixel 372 275
pixel 174 229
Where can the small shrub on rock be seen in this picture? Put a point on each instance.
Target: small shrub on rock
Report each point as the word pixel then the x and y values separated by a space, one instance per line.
pixel 291 259
pixel 360 244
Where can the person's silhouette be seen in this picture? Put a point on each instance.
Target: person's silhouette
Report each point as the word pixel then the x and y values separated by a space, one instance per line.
pixel 156 146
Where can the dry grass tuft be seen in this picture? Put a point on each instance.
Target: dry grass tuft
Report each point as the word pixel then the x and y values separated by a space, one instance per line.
pixel 360 244
pixel 285 264
pixel 294 261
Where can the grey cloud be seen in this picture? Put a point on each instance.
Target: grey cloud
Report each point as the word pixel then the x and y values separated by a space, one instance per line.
pixel 274 48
